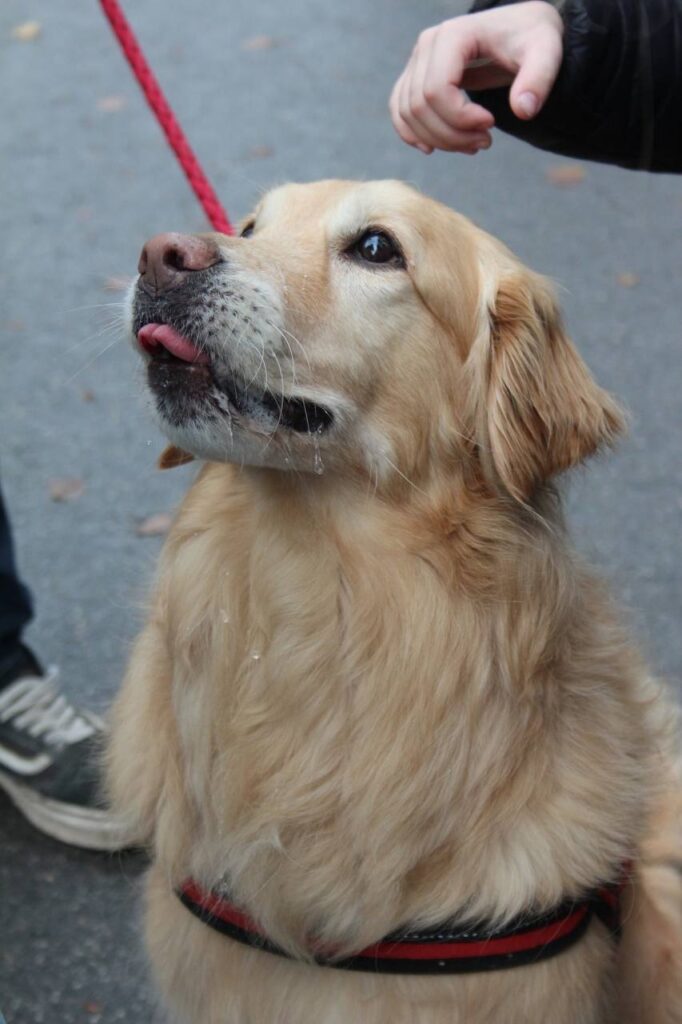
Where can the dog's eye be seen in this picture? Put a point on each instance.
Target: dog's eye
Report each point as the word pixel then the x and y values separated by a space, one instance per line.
pixel 378 247
pixel 247 230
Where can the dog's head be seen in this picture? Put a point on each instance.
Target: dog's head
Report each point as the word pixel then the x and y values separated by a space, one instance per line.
pixel 361 328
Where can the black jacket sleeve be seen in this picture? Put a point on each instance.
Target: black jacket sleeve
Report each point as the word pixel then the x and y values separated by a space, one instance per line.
pixel 618 96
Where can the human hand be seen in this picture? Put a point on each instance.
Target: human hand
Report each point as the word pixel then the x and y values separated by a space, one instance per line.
pixel 519 44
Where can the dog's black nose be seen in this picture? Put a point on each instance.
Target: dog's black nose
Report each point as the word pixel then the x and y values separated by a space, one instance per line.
pixel 166 260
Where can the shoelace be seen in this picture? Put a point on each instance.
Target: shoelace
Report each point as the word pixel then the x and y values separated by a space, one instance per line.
pixel 34 705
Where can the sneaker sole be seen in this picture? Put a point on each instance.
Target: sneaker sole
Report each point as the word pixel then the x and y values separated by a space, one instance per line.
pixel 87 827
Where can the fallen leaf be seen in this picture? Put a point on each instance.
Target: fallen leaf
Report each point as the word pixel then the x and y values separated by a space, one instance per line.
pixel 111 104
pixel 66 488
pixel 115 283
pixel 88 395
pixel 565 175
pixel 92 1007
pixel 154 526
pixel 27 31
pixel 260 152
pixel 260 43
pixel 627 279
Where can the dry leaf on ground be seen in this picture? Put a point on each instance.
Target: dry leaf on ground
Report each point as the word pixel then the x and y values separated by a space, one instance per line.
pixel 116 283
pixel 111 104
pixel 154 526
pixel 66 488
pixel 260 43
pixel 27 31
pixel 565 175
pixel 627 279
pixel 92 1007
pixel 260 152
pixel 88 395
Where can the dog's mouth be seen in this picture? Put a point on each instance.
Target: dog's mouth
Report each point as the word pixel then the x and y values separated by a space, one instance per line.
pixel 175 361
pixel 163 342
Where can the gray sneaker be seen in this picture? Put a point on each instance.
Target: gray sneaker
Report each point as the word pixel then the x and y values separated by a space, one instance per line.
pixel 49 759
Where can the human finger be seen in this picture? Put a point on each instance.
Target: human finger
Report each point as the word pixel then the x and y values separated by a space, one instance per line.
pixel 424 122
pixel 539 67
pixel 450 53
pixel 400 125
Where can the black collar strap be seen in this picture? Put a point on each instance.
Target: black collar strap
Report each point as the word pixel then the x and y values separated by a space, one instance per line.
pixel 444 950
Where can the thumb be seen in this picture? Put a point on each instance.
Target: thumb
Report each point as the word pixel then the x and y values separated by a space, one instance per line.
pixel 535 77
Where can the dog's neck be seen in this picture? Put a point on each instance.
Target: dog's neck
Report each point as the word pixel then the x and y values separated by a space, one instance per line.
pixel 361 687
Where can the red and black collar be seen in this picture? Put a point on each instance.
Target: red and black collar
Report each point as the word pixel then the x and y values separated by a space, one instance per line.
pixel 444 950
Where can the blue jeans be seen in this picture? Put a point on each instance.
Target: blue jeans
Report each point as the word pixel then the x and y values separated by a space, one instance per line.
pixel 16 607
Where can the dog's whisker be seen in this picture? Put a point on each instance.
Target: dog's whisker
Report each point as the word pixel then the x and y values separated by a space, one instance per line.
pixel 108 328
pixel 99 305
pixel 285 333
pixel 280 404
pixel 243 339
pixel 90 362
pixel 291 353
pixel 282 331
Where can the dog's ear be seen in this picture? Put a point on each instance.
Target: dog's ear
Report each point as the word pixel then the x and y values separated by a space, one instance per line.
pixel 542 411
pixel 172 456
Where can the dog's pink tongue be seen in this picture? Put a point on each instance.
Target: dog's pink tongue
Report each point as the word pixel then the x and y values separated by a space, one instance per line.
pixel 153 336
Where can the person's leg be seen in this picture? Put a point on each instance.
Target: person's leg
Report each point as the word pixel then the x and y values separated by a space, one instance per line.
pixel 49 750
pixel 16 608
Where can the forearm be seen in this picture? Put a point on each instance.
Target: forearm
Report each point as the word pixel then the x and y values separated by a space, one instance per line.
pixel 618 94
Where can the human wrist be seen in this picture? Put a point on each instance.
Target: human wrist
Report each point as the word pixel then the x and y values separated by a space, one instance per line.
pixel 487 5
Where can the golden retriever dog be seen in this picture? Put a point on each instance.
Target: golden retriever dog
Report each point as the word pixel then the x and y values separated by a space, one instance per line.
pixel 377 691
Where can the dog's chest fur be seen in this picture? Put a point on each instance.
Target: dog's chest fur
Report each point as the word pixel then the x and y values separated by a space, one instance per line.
pixel 357 748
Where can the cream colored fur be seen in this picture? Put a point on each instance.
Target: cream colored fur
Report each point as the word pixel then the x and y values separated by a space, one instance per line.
pixel 390 693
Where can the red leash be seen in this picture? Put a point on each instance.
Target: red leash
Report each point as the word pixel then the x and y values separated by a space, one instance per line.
pixel 166 118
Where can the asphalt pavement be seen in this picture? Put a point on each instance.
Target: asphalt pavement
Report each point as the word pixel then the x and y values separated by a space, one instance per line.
pixel 268 92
